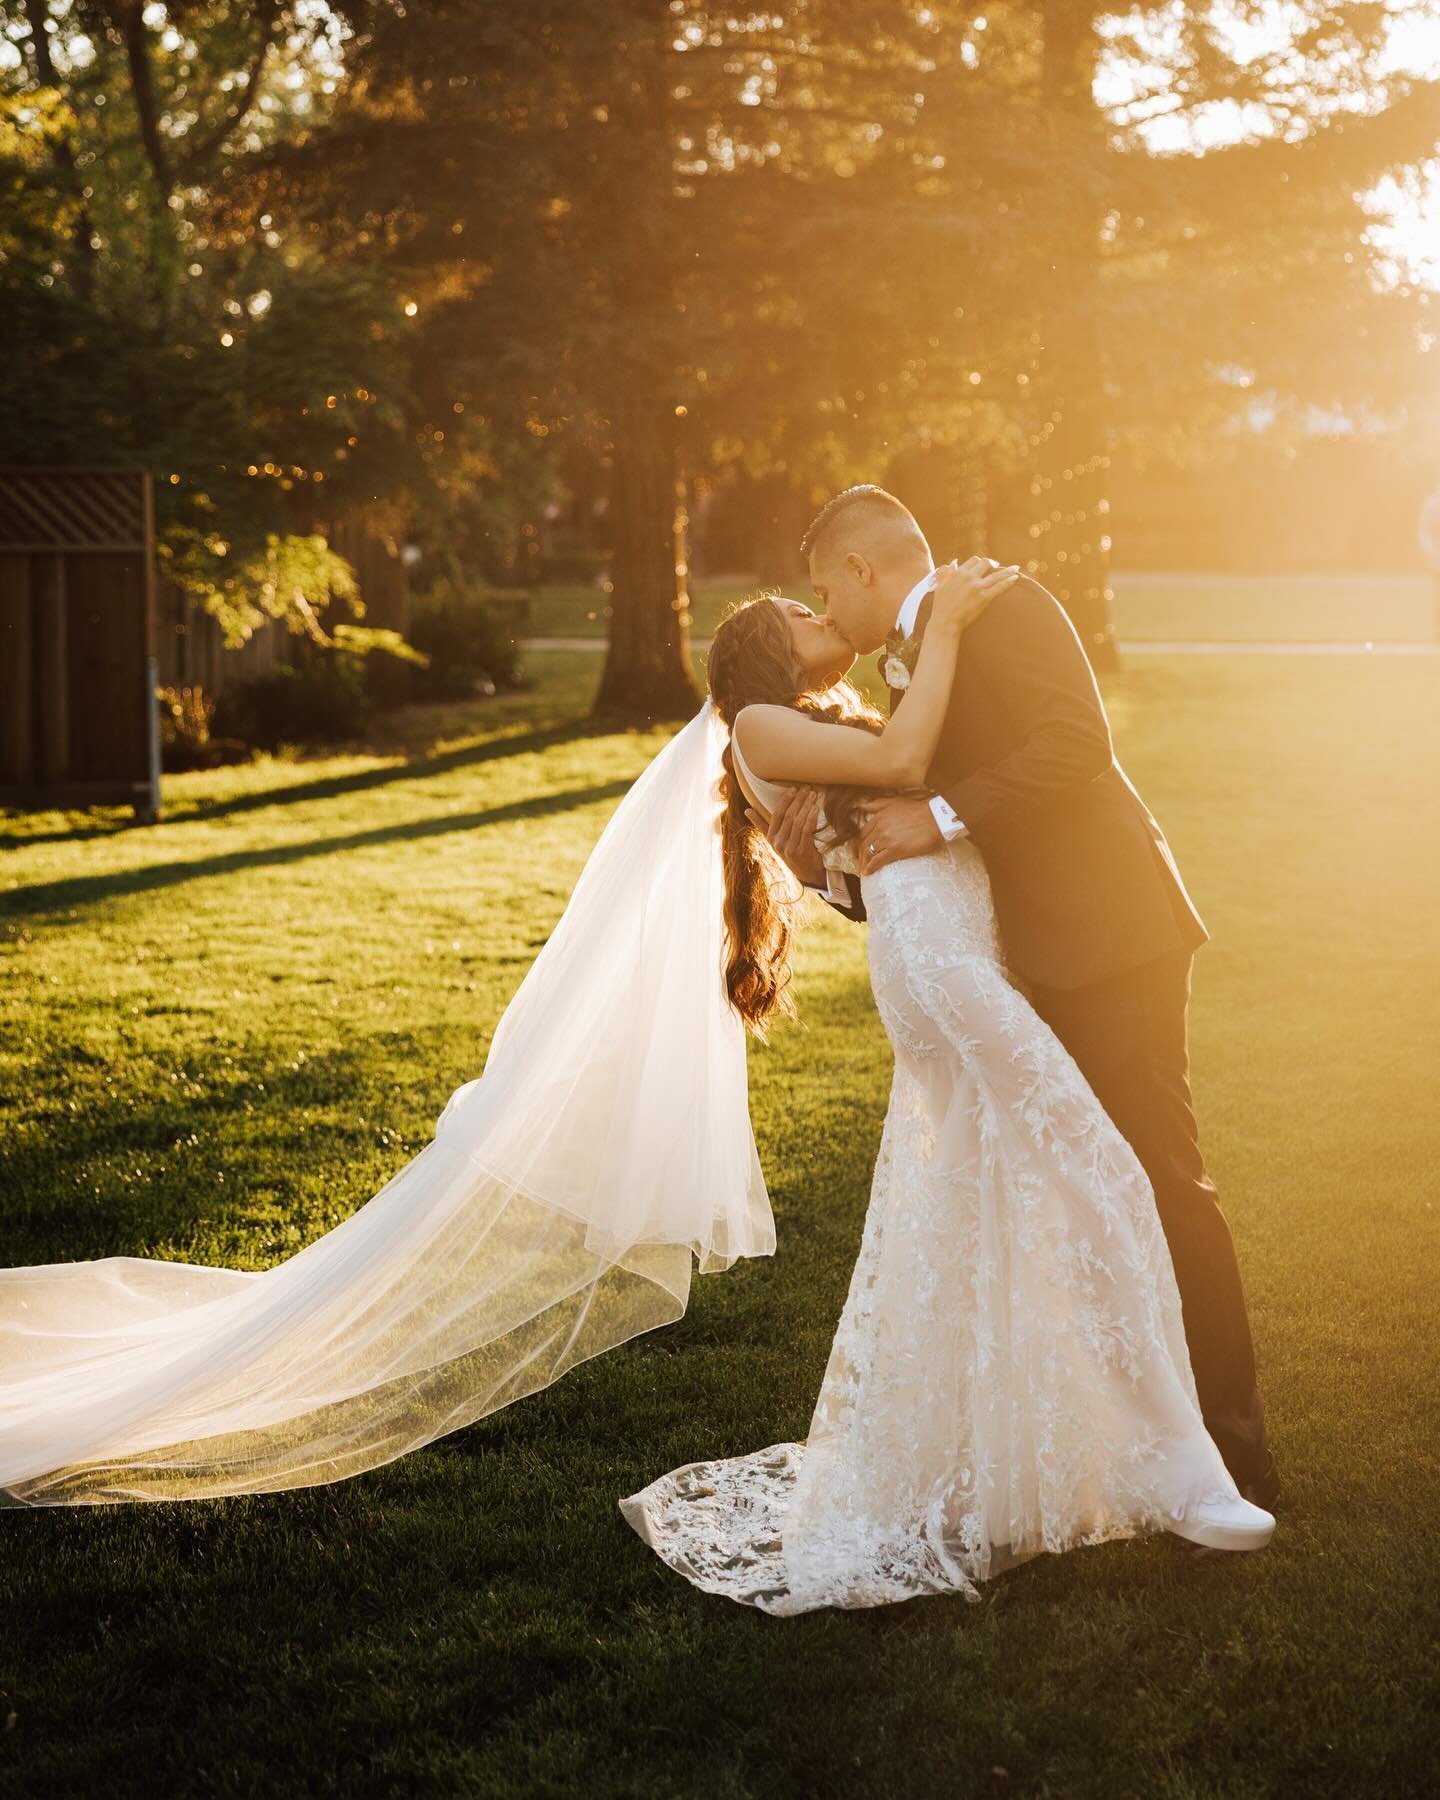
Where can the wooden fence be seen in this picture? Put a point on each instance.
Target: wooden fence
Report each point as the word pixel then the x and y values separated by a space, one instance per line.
pixel 78 720
pixel 87 633
pixel 192 650
pixel 191 646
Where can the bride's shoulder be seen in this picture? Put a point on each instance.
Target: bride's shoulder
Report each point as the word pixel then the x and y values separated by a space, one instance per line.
pixel 763 719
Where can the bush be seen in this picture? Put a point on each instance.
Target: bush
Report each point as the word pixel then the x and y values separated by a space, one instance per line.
pixel 571 567
pixel 388 665
pixel 321 702
pixel 471 641
pixel 186 738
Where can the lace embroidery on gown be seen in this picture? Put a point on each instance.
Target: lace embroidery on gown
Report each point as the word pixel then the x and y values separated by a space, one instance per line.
pixel 1009 1374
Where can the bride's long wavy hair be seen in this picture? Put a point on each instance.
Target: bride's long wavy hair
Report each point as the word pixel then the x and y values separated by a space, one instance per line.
pixel 752 661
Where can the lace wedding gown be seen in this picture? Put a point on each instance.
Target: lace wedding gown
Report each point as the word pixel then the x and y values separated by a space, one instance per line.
pixel 1010 1373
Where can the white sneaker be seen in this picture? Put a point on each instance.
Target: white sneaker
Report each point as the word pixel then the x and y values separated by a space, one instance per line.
pixel 1221 1520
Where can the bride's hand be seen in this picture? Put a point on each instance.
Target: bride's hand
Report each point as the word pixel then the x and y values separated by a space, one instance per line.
pixel 791 831
pixel 963 590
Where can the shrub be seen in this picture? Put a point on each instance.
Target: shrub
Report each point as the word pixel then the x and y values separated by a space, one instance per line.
pixel 323 701
pixel 186 738
pixel 572 567
pixel 389 666
pixel 470 640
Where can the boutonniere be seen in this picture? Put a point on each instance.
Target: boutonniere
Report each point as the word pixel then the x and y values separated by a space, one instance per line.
pixel 897 664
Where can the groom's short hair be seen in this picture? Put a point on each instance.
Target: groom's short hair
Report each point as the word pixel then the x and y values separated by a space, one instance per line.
pixel 856 506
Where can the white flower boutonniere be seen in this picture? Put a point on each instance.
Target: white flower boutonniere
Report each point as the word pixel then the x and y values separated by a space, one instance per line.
pixel 898 660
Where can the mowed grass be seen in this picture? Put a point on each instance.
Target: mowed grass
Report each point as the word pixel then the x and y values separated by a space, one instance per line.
pixel 1352 606
pixel 222 1034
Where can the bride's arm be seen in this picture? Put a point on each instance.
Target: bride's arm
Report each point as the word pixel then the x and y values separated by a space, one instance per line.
pixel 781 744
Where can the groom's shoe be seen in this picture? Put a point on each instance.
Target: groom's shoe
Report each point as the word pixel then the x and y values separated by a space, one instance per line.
pixel 1221 1520
pixel 1263 1490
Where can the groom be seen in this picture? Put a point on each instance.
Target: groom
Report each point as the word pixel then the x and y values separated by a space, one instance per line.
pixel 1095 919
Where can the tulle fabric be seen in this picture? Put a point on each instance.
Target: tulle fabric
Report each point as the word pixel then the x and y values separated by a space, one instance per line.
pixel 555 1215
pixel 1010 1374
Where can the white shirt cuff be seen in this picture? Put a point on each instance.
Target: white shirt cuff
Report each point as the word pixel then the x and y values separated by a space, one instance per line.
pixel 835 887
pixel 951 824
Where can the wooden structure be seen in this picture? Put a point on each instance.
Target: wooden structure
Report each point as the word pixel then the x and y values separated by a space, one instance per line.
pixel 380 573
pixel 191 646
pixel 79 724
pixel 192 649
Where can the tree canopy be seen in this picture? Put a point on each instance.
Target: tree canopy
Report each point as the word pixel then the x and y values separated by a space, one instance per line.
pixel 440 259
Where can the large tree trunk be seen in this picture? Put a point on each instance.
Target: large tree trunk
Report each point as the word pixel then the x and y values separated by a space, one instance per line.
pixel 647 672
pixel 647 663
pixel 1072 514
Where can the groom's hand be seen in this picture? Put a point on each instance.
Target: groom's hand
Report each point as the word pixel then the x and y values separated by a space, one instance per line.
pixel 893 829
pixel 791 831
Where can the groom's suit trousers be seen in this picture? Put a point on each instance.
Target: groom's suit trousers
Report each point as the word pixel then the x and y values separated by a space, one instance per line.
pixel 1128 1034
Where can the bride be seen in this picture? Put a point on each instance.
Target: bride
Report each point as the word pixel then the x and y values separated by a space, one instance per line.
pixel 1009 1374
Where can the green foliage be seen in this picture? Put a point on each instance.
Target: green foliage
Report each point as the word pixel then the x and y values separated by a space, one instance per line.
pixel 844 243
pixel 289 578
pixel 171 322
pixel 322 700
pixel 364 642
pixel 483 269
pixel 571 565
pixel 469 640
pixel 390 669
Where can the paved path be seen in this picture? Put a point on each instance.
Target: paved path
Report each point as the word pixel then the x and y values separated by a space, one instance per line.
pixel 1156 648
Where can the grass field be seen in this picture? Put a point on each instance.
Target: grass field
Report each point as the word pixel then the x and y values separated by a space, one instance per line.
pixel 222 1034
pixel 1349 607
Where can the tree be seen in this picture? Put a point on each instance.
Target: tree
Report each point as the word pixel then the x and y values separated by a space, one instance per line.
pixel 1034 280
pixel 157 334
pixel 627 220
pixel 1189 279
pixel 514 160
pixel 679 246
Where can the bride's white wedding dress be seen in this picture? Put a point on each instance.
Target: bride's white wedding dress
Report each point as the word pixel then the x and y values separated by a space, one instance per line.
pixel 1010 1373
pixel 557 1213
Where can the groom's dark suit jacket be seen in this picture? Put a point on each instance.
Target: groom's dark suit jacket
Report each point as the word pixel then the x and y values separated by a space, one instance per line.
pixel 1083 881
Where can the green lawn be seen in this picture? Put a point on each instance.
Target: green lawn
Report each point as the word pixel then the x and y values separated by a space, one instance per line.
pixel 1350 607
pixel 222 1034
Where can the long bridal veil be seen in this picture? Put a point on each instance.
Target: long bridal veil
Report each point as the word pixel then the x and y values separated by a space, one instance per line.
pixel 553 1216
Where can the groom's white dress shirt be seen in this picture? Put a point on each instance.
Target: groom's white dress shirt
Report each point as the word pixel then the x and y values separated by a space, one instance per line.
pixel 950 824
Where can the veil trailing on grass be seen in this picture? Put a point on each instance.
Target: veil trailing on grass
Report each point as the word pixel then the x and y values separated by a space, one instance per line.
pixel 554 1215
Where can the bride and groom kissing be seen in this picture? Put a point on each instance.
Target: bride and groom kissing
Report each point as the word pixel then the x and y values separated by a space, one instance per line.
pixel 1045 1341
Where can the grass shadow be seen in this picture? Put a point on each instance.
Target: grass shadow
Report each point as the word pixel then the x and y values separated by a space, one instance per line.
pixel 333 787
pixel 148 1175
pixel 81 890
